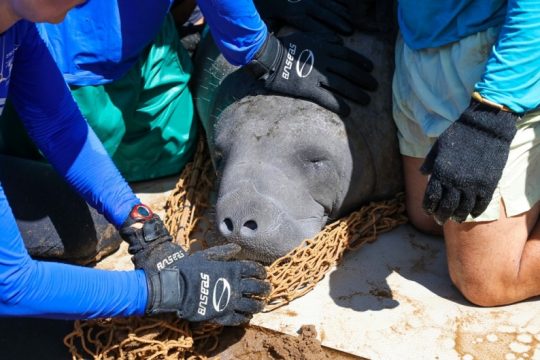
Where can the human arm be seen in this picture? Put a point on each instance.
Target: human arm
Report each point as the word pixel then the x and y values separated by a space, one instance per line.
pixel 33 288
pixel 315 67
pixel 467 160
pixel 44 289
pixel 66 291
pixel 236 26
pixel 56 125
pixel 511 77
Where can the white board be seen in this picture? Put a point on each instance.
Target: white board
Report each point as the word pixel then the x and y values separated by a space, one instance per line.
pixel 393 299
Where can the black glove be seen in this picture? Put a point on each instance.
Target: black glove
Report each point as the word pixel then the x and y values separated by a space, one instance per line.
pixel 467 161
pixel 146 234
pixel 315 67
pixel 307 15
pixel 205 286
pixel 191 286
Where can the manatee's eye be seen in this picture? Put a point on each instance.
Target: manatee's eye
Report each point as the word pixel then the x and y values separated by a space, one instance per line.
pixel 317 163
pixel 314 160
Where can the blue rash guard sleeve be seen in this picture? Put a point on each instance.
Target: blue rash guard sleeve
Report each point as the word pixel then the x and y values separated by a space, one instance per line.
pixel 236 27
pixel 512 77
pixel 33 288
pixel 55 123
pixel 52 290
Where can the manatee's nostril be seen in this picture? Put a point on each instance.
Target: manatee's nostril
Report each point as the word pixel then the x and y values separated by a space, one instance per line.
pixel 229 224
pixel 251 224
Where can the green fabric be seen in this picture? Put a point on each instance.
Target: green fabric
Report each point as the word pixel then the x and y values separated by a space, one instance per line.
pixel 145 119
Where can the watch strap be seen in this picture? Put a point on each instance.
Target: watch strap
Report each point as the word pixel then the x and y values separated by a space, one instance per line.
pixel 476 96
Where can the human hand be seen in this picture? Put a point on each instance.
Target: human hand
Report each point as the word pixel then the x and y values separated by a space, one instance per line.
pixel 315 67
pixel 149 240
pixel 208 286
pixel 307 15
pixel 466 162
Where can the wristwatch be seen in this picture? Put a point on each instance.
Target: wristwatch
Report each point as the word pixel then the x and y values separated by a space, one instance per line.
pixel 141 213
pixel 476 96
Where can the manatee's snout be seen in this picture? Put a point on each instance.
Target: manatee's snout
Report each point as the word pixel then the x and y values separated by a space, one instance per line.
pixel 260 224
pixel 244 217
pixel 242 228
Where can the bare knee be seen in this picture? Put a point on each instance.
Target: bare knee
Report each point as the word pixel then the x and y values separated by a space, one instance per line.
pixel 481 290
pixel 494 263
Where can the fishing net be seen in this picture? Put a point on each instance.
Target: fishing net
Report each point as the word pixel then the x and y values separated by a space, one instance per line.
pixel 166 337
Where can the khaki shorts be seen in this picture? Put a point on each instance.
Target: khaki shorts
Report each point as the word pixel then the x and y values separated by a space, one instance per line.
pixel 432 87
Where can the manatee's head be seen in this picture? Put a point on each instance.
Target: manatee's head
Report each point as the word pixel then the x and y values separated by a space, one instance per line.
pixel 284 167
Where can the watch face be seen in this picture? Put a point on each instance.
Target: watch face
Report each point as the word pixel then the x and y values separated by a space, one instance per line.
pixel 141 212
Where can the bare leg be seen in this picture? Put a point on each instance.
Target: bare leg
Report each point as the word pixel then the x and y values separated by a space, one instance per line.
pixel 415 186
pixel 497 262
pixel 491 263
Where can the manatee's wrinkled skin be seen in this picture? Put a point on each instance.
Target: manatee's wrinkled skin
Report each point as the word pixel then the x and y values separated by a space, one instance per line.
pixel 287 166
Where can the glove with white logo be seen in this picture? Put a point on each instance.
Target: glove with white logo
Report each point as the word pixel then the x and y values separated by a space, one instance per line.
pixel 199 287
pixel 307 15
pixel 206 286
pixel 315 67
pixel 467 161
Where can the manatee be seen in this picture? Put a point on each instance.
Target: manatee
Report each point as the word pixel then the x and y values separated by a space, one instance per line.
pixel 285 166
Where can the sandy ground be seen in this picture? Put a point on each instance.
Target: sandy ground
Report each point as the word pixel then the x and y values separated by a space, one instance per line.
pixel 260 343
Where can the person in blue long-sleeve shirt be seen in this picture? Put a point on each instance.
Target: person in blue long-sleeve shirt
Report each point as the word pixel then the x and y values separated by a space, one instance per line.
pixel 466 94
pixel 203 286
pixel 129 74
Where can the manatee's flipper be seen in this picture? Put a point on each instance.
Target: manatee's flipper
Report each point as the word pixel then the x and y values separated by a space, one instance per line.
pixel 55 222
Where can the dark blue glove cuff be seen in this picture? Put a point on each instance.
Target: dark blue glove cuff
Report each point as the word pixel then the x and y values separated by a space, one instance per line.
pixel 165 292
pixel 267 59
